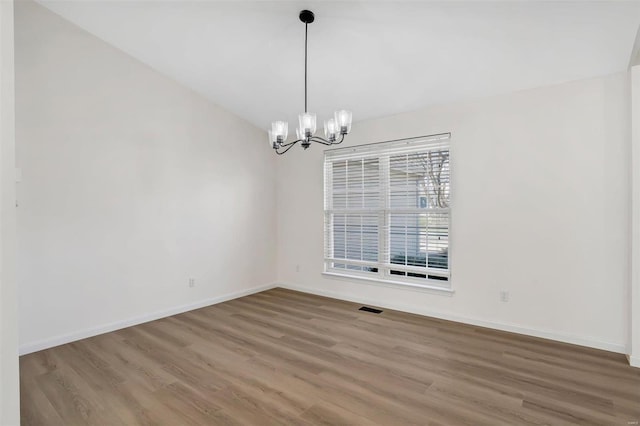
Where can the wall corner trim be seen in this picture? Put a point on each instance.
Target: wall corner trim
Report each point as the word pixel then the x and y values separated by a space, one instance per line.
pixel 117 325
pixel 512 328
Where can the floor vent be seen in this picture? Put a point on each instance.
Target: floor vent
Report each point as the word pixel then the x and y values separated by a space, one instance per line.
pixel 368 309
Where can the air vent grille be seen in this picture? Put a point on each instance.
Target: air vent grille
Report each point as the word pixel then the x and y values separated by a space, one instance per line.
pixel 368 309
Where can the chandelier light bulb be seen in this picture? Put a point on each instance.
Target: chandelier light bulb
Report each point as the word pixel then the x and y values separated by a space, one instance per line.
pixel 330 129
pixel 280 130
pixel 343 118
pixel 307 124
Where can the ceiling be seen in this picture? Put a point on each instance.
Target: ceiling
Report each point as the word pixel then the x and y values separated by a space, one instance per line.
pixel 374 58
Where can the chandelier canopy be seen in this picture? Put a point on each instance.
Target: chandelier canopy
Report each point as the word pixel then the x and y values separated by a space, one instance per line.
pixel 335 128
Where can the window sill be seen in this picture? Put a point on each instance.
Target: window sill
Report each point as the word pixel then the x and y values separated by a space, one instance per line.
pixel 393 284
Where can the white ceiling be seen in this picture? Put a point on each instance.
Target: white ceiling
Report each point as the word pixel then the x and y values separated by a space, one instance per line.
pixel 374 58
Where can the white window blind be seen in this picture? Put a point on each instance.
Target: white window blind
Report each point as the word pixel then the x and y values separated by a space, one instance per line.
pixel 387 211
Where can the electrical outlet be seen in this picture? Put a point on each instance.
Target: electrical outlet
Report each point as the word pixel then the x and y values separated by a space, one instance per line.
pixel 192 282
pixel 504 295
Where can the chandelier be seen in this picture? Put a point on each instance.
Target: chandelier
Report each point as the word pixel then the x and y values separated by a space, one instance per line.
pixel 335 128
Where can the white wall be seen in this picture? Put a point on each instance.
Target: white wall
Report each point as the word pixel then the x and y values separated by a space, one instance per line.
pixel 130 185
pixel 540 208
pixel 9 391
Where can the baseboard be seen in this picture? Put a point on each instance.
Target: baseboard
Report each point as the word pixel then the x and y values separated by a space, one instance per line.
pixel 106 328
pixel 513 328
pixel 634 361
pixel 545 334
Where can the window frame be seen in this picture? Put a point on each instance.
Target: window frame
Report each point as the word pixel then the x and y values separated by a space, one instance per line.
pixel 383 274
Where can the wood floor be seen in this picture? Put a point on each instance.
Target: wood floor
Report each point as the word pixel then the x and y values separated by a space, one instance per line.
pixel 283 357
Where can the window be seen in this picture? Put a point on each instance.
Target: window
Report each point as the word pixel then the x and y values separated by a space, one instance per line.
pixel 387 211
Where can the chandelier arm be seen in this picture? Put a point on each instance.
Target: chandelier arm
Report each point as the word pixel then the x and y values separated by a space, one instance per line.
pixel 326 142
pixel 318 139
pixel 290 143
pixel 289 146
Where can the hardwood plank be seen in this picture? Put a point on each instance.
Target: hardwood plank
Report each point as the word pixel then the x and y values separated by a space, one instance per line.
pixel 35 407
pixel 324 413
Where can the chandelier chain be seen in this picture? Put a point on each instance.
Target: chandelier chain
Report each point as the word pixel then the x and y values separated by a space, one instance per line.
pixel 306 26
